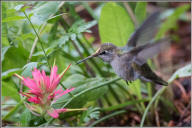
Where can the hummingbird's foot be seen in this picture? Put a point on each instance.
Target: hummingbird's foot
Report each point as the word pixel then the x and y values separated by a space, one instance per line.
pixel 129 82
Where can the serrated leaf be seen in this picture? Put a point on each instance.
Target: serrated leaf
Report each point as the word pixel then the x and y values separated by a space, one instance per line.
pixel 115 25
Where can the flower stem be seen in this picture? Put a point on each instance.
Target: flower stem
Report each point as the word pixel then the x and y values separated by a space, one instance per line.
pixel 38 38
pixel 76 109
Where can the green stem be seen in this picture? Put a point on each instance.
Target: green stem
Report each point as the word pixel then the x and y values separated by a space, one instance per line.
pixel 38 38
pixel 14 109
pixel 150 103
pixel 149 90
pixel 107 117
pixel 76 109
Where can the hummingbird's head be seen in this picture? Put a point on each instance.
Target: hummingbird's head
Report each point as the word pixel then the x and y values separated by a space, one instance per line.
pixel 106 52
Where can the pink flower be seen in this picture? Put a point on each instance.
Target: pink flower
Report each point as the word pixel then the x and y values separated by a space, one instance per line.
pixel 43 89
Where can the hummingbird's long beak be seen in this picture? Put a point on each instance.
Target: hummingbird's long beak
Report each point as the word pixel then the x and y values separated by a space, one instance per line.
pixel 91 56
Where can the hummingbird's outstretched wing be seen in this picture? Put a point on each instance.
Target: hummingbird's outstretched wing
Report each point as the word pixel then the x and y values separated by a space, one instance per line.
pixel 147 51
pixel 146 31
pixel 144 52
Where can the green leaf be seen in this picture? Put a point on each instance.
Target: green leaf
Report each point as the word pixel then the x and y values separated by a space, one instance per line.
pixel 13 18
pixel 86 26
pixel 90 113
pixel 4 50
pixel 81 26
pixel 9 73
pixel 182 72
pixel 9 90
pixel 25 118
pixel 115 25
pixel 43 12
pixel 55 18
pixel 140 11
pixel 27 36
pixel 18 7
pixel 171 21
pixel 18 58
pixel 27 69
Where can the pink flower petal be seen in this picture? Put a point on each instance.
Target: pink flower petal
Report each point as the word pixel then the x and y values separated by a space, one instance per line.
pixel 58 91
pixel 37 77
pixel 54 84
pixel 35 100
pixel 30 84
pixel 53 113
pixel 37 93
pixel 63 93
pixel 54 79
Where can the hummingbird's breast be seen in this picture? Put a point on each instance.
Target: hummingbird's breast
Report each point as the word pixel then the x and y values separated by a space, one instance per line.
pixel 122 67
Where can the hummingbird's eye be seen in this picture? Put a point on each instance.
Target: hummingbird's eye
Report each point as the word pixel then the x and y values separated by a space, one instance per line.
pixel 103 53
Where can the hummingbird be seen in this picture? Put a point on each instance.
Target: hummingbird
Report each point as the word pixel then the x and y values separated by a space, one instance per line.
pixel 130 62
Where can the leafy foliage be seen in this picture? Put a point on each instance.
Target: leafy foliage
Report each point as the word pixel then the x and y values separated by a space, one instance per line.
pixel 60 38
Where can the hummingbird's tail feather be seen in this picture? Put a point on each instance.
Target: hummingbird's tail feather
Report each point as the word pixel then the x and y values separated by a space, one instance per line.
pixel 155 79
pixel 148 75
pixel 160 81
